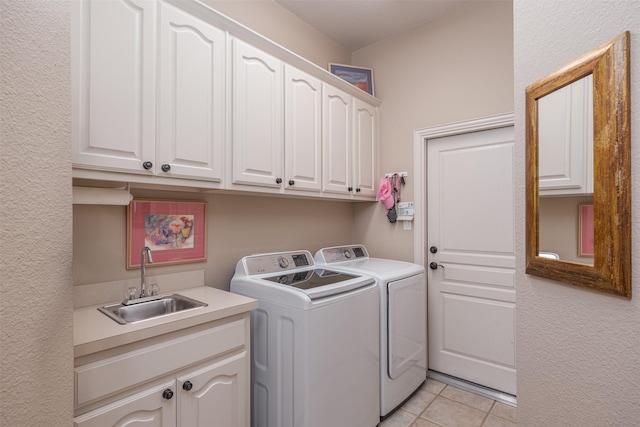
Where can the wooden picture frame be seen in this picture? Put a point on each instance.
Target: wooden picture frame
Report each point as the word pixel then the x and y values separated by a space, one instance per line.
pixel 175 231
pixel 360 77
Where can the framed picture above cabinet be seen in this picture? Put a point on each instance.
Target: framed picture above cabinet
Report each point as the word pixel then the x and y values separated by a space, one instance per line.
pixel 361 78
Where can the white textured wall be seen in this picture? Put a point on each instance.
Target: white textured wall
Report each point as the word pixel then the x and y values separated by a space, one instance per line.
pixel 273 21
pixel 578 350
pixel 458 67
pixel 36 330
pixel 236 226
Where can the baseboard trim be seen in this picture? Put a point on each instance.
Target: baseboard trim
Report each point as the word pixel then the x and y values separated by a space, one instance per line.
pixel 507 399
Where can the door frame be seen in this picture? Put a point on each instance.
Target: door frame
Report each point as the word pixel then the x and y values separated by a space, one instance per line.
pixel 420 139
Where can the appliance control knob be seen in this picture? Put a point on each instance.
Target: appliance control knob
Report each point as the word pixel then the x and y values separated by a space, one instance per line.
pixel 283 262
pixel 147 165
pixel 187 385
pixel 283 280
pixel 346 254
pixel 167 394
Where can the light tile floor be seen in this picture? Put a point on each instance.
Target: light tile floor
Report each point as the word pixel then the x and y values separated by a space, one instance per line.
pixel 439 405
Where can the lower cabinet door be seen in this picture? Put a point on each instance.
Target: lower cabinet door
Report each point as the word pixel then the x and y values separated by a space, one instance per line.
pixel 217 394
pixel 154 407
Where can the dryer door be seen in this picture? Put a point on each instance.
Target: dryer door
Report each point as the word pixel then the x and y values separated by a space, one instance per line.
pixel 406 324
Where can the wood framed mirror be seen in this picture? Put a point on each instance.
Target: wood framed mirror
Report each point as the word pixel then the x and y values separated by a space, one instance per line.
pixel 591 117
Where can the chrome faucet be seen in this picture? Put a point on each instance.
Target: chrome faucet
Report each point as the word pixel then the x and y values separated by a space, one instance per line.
pixel 143 271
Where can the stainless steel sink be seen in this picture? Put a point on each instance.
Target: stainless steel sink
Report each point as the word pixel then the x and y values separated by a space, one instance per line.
pixel 132 312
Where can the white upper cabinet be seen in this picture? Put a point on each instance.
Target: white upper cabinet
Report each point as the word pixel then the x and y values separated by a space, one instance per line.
pixel 364 148
pixel 257 117
pixel 172 89
pixel 113 84
pixel 303 130
pixel 565 140
pixel 191 102
pixel 336 141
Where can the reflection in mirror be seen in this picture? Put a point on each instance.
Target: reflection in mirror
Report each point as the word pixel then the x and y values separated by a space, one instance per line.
pixel 565 169
pixel 578 171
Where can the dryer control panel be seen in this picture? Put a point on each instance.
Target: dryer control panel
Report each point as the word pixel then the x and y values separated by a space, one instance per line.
pixel 342 253
pixel 277 261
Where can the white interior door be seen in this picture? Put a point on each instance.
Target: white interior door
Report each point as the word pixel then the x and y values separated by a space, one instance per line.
pixel 471 291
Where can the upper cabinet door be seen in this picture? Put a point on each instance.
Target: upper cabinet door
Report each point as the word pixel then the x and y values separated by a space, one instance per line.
pixel 303 130
pixel 191 125
pixel 113 84
pixel 565 126
pixel 336 141
pixel 257 117
pixel 364 149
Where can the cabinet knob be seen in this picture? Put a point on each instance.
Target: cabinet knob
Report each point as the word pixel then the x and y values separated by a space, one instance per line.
pixel 291 182
pixel 166 167
pixel 187 385
pixel 358 190
pixel 147 165
pixel 350 189
pixel 167 394
pixel 278 180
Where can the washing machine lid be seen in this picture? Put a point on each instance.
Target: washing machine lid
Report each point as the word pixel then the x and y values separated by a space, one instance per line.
pixel 320 283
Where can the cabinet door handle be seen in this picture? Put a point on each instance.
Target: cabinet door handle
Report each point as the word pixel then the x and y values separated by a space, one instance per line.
pixel 167 394
pixel 278 180
pixel 166 167
pixel 358 190
pixel 147 165
pixel 291 182
pixel 187 385
pixel 350 189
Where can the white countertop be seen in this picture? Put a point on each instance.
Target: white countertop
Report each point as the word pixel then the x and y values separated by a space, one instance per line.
pixel 93 331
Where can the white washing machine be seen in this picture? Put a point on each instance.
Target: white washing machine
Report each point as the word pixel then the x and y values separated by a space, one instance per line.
pixel 315 340
pixel 403 318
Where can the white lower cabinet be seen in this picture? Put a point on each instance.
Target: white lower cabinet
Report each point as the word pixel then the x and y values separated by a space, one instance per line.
pixel 214 393
pixel 147 408
pixel 196 379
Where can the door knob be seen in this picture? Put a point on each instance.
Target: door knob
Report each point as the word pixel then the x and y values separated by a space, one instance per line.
pixel 435 265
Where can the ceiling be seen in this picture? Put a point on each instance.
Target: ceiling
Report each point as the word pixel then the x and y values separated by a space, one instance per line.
pixel 355 24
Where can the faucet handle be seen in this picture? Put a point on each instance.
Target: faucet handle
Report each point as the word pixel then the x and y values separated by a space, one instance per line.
pixel 131 294
pixel 154 289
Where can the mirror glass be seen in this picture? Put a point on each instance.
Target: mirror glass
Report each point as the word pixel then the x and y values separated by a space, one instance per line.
pixel 565 172
pixel 578 172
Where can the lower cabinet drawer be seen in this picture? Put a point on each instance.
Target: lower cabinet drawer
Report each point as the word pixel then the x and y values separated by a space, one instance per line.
pixel 104 377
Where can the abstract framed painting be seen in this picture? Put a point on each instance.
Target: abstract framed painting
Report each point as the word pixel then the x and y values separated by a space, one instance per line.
pixel 175 231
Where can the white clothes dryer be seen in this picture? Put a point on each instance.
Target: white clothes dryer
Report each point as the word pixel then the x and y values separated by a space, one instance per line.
pixel 403 318
pixel 314 342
